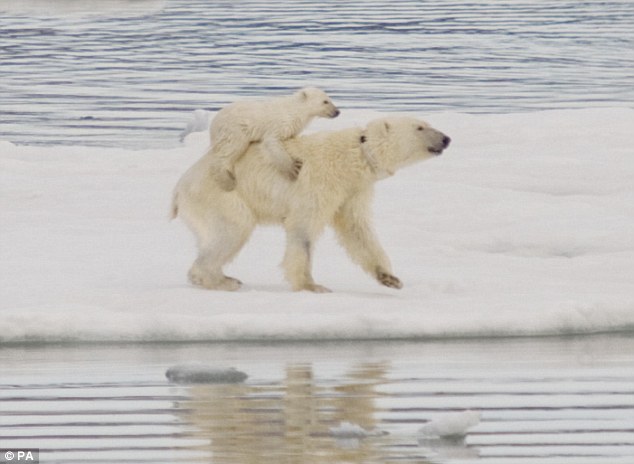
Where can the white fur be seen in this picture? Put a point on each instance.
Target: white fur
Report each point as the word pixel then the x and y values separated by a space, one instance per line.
pixel 269 121
pixel 334 188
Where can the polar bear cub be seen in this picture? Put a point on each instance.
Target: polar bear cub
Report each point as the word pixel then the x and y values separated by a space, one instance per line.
pixel 269 121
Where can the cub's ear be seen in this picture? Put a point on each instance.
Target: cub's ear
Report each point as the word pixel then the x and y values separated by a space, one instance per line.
pixel 387 126
pixel 304 95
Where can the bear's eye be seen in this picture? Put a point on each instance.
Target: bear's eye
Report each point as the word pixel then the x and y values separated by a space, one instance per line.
pixel 420 128
pixel 325 102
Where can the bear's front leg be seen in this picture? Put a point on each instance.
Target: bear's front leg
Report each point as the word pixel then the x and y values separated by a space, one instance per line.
pixel 352 225
pixel 297 260
pixel 387 279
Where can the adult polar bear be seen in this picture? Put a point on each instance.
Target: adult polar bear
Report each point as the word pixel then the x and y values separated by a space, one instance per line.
pixel 334 187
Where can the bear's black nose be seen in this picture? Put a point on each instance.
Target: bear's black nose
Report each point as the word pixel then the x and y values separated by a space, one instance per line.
pixel 445 141
pixel 336 113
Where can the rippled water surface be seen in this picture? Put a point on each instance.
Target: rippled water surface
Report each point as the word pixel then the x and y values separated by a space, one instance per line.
pixel 129 72
pixel 542 401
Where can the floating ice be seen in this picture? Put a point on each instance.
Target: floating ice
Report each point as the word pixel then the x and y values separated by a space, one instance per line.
pixel 200 373
pixel 452 424
pixel 198 122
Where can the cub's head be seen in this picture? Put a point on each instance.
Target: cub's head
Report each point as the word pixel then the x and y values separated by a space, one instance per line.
pixel 317 102
pixel 399 141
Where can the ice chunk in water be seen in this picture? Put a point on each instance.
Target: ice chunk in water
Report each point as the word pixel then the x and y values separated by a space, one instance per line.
pixel 350 430
pixel 452 424
pixel 198 122
pixel 200 373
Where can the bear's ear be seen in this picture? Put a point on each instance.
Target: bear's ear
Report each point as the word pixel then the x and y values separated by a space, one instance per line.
pixel 387 126
pixel 304 95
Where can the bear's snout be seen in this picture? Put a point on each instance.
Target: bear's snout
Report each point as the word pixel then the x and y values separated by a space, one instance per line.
pixel 442 142
pixel 335 113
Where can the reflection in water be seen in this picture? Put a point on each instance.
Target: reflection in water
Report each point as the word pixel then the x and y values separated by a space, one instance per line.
pixel 542 402
pixel 290 422
pixel 447 448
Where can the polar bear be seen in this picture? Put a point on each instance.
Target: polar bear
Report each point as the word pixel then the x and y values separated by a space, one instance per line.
pixel 334 187
pixel 268 121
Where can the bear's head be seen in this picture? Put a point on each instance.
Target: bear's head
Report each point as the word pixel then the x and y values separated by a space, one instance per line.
pixel 395 142
pixel 317 102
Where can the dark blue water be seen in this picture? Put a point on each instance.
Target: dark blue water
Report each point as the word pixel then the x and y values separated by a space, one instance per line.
pixel 129 72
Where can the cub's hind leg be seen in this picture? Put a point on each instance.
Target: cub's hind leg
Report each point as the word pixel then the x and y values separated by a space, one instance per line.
pixel 225 151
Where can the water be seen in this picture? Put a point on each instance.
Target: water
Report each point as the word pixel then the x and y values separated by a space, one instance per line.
pixel 552 400
pixel 128 73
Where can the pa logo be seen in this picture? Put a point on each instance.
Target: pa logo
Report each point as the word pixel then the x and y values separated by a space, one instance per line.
pixel 20 456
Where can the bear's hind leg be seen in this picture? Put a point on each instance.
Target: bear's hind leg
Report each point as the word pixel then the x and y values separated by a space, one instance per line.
pixel 201 276
pixel 222 245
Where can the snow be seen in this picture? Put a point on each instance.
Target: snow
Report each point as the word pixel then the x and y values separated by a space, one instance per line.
pixel 525 226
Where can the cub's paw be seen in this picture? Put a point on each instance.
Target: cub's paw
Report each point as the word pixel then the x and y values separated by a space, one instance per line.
pixel 295 168
pixel 388 279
